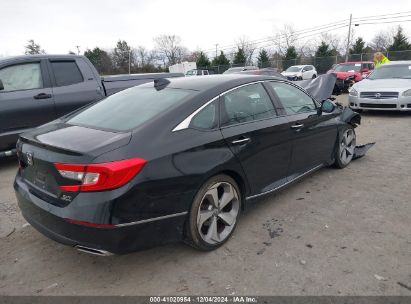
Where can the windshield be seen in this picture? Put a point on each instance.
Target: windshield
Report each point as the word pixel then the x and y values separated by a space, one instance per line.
pixel 130 108
pixel 355 67
pixel 391 71
pixel 293 69
pixel 233 70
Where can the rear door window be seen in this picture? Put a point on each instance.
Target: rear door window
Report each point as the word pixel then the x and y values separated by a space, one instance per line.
pixel 66 73
pixel 245 104
pixel 25 76
pixel 206 119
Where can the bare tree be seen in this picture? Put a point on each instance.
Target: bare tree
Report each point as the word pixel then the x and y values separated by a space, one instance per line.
pixel 170 47
pixel 382 40
pixel 248 48
pixel 285 38
pixel 336 42
pixel 33 48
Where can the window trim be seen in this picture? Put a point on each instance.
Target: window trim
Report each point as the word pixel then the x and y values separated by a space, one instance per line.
pixel 280 104
pixel 43 71
pixel 185 124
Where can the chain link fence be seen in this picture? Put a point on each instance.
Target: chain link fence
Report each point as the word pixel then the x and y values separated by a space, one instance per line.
pixel 322 64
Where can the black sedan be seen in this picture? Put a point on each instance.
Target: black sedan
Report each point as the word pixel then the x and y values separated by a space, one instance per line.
pixel 177 159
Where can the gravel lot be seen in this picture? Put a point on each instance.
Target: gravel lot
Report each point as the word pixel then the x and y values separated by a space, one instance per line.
pixel 337 232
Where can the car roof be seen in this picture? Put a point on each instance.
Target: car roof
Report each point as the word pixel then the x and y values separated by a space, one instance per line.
pixel 39 56
pixel 214 81
pixel 399 62
pixel 355 62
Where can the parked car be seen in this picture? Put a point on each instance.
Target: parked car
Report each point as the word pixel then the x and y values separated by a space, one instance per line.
pixel 177 160
pixel 264 71
pixel 386 88
pixel 37 89
pixel 240 69
pixel 351 72
pixel 300 72
pixel 197 73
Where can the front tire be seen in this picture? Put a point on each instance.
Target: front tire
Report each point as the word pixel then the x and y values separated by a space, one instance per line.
pixel 214 213
pixel 344 151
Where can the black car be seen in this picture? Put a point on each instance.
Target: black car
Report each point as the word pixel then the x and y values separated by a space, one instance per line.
pixel 174 160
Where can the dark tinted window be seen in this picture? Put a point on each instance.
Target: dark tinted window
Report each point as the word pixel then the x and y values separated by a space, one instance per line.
pixel 206 118
pixel 66 72
pixel 294 100
pixel 130 108
pixel 247 103
pixel 308 68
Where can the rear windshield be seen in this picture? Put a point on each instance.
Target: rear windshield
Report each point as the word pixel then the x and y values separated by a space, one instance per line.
pixel 355 67
pixel 130 108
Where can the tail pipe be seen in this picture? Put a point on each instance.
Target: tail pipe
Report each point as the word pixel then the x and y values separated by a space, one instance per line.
pixel 93 251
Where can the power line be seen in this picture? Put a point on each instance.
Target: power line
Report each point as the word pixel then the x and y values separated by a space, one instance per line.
pixel 321 27
pixel 396 21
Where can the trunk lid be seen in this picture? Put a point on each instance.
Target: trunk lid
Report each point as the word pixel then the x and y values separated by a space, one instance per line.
pixel 40 149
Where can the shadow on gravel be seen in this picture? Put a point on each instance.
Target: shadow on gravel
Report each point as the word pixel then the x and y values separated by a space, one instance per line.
pixel 8 162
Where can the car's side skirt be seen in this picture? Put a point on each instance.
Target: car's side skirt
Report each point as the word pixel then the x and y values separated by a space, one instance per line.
pixel 286 183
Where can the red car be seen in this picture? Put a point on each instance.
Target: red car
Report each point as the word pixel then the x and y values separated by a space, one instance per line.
pixel 350 72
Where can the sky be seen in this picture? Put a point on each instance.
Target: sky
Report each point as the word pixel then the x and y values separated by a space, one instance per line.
pixel 59 26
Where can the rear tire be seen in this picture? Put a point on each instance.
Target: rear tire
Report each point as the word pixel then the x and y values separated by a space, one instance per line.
pixel 314 76
pixel 214 213
pixel 344 151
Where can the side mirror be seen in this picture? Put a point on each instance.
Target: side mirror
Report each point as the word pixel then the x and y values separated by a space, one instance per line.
pixel 1 85
pixel 327 106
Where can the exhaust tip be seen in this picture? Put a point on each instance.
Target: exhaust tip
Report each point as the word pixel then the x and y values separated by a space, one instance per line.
pixel 93 251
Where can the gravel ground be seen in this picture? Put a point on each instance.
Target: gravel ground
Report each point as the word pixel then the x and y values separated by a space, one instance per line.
pixel 337 232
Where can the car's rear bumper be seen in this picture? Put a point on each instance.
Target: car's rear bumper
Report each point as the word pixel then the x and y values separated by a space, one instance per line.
pixel 119 239
pixel 395 104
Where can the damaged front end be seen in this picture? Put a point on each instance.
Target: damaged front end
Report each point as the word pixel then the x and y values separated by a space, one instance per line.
pixel 322 89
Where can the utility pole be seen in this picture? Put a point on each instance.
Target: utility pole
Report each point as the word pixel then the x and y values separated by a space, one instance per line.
pixel 129 60
pixel 348 39
pixel 216 50
pixel 78 49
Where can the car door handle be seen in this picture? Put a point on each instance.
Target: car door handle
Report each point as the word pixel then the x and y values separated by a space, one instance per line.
pixel 42 96
pixel 241 141
pixel 297 126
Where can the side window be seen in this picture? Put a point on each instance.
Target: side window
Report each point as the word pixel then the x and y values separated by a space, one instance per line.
pixel 21 77
pixel 294 100
pixel 247 103
pixel 308 68
pixel 207 118
pixel 66 73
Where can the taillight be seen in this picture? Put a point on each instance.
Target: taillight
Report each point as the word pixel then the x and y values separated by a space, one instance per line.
pixel 100 177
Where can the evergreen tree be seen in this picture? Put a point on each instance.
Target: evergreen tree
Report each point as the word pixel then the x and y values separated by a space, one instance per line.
pixel 263 59
pixel 100 59
pixel 324 50
pixel 358 47
pixel 33 48
pixel 121 56
pixel 239 57
pixel 400 42
pixel 202 60
pixel 221 59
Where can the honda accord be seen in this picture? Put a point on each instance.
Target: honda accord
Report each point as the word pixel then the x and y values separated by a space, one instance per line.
pixel 177 159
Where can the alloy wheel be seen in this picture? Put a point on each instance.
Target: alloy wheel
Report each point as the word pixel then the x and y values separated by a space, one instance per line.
pixel 347 146
pixel 218 213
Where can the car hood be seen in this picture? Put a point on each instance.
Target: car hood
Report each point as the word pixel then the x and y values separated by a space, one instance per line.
pixel 344 75
pixel 384 84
